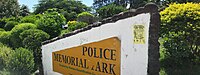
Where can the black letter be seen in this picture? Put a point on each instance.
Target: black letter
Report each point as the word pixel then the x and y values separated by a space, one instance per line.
pixel 104 67
pixel 95 52
pixel 112 69
pixel 84 49
pixel 104 53
pixel 98 67
pixel 90 53
pixel 112 55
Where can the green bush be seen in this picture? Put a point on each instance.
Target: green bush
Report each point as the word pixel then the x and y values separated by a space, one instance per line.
pixel 51 23
pixel 31 19
pixel 1 29
pixel 110 10
pixel 5 37
pixel 15 32
pixel 21 62
pixel 9 25
pixel 32 40
pixel 180 31
pixel 5 56
pixel 86 17
pixel 4 20
pixel 64 32
pixel 73 25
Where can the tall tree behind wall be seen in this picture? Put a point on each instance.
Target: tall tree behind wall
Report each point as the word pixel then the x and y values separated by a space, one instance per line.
pixel 136 3
pixel 9 8
pixel 69 8
pixel 133 3
pixel 24 11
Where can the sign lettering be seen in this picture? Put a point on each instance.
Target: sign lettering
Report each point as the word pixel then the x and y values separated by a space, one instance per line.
pixel 97 58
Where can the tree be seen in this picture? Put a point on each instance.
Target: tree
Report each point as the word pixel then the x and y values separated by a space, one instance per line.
pixel 5 38
pixel 32 39
pixel 51 23
pixel 31 19
pixel 86 17
pixel 5 56
pixel 133 3
pixel 100 3
pixel 9 8
pixel 1 29
pixel 180 1
pixel 4 20
pixel 24 11
pixel 21 62
pixel 69 8
pixel 16 42
pixel 73 25
pixel 109 10
pixel 180 32
pixel 9 25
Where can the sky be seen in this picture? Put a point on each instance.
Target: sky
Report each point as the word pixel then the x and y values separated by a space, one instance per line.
pixel 31 3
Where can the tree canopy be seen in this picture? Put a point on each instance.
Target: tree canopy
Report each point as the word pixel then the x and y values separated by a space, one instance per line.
pixel 180 31
pixel 69 8
pixel 51 23
pixel 9 8
pixel 109 10
pixel 24 11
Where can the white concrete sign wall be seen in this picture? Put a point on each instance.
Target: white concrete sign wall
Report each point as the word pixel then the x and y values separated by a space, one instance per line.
pixel 135 43
pixel 134 57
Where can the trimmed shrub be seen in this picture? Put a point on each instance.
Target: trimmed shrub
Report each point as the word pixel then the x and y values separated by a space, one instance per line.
pixel 15 32
pixel 9 25
pixel 31 19
pixel 1 29
pixel 86 17
pixel 5 37
pixel 5 56
pixel 32 40
pixel 110 10
pixel 64 32
pixel 21 62
pixel 51 23
pixel 73 25
pixel 180 31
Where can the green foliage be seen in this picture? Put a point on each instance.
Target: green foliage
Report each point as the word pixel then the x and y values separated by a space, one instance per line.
pixel 32 40
pixel 24 11
pixel 31 18
pixel 1 29
pixel 21 62
pixel 73 25
pixel 68 8
pixel 9 8
pixel 5 37
pixel 15 32
pixel 180 1
pixel 9 25
pixel 109 10
pixel 51 23
pixel 4 20
pixel 64 32
pixel 5 56
pixel 86 17
pixel 132 3
pixel 180 30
